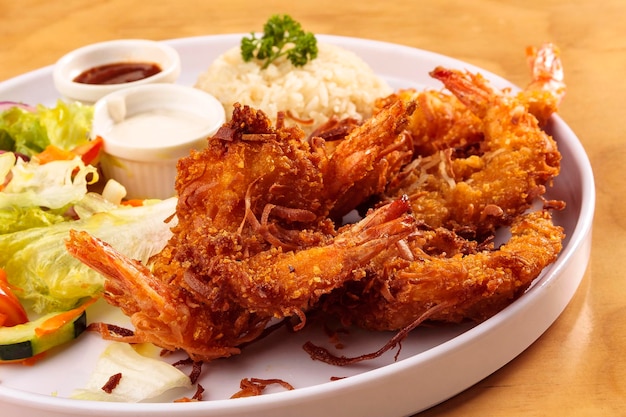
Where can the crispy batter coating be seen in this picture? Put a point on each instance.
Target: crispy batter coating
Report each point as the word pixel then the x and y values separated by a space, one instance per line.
pixel 257 235
pixel 440 121
pixel 400 288
pixel 372 154
pixel 252 242
pixel 474 194
pixel 464 200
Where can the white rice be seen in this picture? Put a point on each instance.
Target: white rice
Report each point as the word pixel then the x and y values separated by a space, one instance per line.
pixel 337 82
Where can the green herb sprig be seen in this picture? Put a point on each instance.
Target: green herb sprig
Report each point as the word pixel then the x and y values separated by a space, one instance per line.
pixel 282 35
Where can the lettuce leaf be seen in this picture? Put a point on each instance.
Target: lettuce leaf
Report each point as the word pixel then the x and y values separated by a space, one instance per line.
pixel 37 195
pixel 50 279
pixel 14 219
pixel 142 377
pixel 52 185
pixel 21 132
pixel 66 125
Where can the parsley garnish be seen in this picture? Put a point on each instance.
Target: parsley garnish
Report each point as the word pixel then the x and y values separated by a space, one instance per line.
pixel 281 36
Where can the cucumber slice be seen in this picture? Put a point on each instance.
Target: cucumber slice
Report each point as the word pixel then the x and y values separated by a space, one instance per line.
pixel 22 341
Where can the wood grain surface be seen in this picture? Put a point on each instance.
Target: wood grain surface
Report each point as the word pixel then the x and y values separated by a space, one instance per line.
pixel 578 367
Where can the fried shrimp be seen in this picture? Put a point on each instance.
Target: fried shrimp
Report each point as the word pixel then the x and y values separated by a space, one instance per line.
pixel 474 194
pixel 442 121
pixel 164 314
pixel 208 314
pixel 442 174
pixel 287 284
pixel 404 285
pixel 368 158
pixel 247 165
pixel 439 122
pixel 252 241
pixel 449 270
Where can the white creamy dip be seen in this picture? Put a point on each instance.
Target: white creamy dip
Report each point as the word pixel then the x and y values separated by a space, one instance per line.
pixel 157 128
pixel 146 129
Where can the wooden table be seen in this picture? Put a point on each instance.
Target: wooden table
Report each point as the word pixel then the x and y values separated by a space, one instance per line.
pixel 578 367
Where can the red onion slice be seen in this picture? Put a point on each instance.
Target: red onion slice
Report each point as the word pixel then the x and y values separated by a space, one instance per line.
pixel 5 105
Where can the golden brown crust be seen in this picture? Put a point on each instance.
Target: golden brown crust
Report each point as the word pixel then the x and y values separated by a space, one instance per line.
pixel 257 238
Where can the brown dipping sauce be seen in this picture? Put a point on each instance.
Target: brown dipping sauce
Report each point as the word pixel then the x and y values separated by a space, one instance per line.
pixel 118 73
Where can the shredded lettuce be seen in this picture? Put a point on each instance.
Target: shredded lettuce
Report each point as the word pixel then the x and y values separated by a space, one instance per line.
pixel 40 203
pixel 40 195
pixel 51 185
pixel 7 162
pixel 61 133
pixel 50 279
pixel 14 219
pixel 66 125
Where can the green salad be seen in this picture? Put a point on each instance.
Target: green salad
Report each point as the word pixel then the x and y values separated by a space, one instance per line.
pixel 41 199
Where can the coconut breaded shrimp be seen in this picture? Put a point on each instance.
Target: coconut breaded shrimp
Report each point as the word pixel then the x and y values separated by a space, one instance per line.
pixel 469 286
pixel 441 121
pixel 469 197
pixel 210 313
pixel 248 164
pixel 165 315
pixel 475 194
pixel 285 284
pixel 362 164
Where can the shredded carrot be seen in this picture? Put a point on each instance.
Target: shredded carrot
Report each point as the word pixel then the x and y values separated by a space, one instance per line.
pixel 54 153
pixel 56 322
pixel 89 152
pixel 11 310
pixel 133 203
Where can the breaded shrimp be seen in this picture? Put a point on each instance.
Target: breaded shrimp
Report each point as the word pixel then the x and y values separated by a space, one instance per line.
pixel 209 314
pixel 400 288
pixel 252 241
pixel 475 194
pixel 441 121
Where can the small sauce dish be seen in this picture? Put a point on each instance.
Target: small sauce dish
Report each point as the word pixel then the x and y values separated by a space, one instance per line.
pixel 112 65
pixel 147 128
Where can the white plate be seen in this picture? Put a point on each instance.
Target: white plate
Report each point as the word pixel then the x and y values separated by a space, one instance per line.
pixel 434 363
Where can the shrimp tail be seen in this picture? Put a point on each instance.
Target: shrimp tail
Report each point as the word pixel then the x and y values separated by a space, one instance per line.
pixel 122 273
pixel 130 285
pixel 472 90
pixel 544 94
pixel 546 70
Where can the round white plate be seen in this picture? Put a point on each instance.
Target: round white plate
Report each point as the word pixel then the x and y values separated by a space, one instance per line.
pixel 433 364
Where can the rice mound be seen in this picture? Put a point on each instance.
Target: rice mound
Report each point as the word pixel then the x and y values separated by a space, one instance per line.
pixel 336 83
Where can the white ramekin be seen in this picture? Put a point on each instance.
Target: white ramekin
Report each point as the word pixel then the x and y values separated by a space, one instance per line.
pixel 74 63
pixel 147 169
